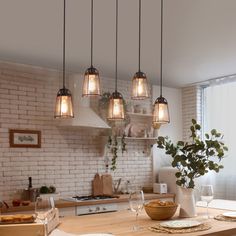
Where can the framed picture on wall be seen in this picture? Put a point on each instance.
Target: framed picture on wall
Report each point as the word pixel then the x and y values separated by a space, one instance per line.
pixel 25 138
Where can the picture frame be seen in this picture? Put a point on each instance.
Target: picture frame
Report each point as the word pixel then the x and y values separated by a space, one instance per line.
pixel 24 138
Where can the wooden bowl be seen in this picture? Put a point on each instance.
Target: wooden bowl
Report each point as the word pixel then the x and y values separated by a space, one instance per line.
pixel 160 212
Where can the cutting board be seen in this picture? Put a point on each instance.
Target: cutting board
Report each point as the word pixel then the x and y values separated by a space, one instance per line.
pixel 107 185
pixel 97 185
pixel 102 185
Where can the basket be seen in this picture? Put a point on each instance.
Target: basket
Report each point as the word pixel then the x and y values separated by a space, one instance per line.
pixel 160 212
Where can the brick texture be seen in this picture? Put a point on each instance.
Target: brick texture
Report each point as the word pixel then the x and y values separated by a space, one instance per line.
pixel 191 108
pixel 68 158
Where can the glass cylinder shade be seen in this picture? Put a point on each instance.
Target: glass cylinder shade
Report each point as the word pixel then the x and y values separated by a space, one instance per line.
pixel 116 107
pixel 160 112
pixel 139 86
pixel 91 85
pixel 64 105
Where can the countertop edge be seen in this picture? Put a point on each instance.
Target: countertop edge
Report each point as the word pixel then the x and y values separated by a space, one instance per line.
pixel 64 204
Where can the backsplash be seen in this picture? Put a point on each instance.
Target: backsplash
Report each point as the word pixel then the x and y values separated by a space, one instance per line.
pixel 68 158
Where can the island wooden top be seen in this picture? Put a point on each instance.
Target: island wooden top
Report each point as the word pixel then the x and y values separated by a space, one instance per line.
pixel 121 222
pixel 64 204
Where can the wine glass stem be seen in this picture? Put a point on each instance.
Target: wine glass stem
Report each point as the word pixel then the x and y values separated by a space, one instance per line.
pixel 207 211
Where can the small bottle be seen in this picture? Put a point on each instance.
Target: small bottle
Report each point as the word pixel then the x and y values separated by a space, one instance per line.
pixel 127 186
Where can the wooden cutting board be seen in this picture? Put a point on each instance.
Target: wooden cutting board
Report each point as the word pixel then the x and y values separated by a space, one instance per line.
pixel 107 185
pixel 102 185
pixel 97 185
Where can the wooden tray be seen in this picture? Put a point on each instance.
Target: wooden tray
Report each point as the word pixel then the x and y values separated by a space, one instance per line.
pixel 17 220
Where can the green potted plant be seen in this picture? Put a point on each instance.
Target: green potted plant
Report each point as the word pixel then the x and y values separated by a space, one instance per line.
pixel 196 158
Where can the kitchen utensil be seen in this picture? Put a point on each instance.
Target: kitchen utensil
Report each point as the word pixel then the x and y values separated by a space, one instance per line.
pixel 207 195
pixel 180 224
pixel 97 185
pixel 107 185
pixel 158 212
pixel 42 206
pixel 136 201
pixel 230 214
pixel 30 194
pixel 102 185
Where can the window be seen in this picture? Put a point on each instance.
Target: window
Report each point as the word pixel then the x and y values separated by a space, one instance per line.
pixel 219 112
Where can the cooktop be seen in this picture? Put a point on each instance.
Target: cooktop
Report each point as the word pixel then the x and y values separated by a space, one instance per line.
pixel 87 198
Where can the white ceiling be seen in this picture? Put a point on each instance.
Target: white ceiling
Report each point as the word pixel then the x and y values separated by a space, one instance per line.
pixel 199 37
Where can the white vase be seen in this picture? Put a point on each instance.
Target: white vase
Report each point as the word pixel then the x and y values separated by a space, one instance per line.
pixel 185 197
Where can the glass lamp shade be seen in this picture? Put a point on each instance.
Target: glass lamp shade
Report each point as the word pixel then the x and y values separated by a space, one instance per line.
pixel 64 106
pixel 116 107
pixel 91 85
pixel 139 86
pixel 160 112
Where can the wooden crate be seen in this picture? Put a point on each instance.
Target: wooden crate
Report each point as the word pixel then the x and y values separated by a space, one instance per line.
pixel 33 229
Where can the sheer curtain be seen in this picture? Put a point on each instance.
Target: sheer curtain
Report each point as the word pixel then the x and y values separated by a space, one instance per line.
pixel 219 112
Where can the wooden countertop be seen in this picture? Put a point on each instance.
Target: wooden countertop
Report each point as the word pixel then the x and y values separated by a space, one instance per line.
pixel 63 204
pixel 121 222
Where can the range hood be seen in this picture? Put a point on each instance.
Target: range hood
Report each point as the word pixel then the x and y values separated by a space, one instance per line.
pixel 84 115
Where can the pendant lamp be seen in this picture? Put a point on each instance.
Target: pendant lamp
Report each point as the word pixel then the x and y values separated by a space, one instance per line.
pixel 91 85
pixel 139 82
pixel 161 110
pixel 116 102
pixel 64 106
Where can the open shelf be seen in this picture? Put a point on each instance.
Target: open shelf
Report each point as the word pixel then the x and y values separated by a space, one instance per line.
pixel 139 138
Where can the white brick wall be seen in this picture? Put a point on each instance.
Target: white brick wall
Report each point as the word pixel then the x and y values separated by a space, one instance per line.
pixel 191 108
pixel 67 159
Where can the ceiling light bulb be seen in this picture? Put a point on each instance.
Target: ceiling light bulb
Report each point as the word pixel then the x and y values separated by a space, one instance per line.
pixel 64 105
pixel 92 84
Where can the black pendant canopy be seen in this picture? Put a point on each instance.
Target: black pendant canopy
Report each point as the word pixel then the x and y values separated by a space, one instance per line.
pixel 161 110
pixel 91 85
pixel 64 105
pixel 139 81
pixel 116 109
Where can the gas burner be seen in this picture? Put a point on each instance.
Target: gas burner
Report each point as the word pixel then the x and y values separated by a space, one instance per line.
pixel 90 198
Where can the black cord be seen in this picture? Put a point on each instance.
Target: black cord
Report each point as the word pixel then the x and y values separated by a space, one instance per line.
pixel 139 49
pixel 91 33
pixel 161 73
pixel 64 43
pixel 116 41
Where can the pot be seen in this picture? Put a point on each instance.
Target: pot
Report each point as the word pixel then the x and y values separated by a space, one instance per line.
pixel 185 197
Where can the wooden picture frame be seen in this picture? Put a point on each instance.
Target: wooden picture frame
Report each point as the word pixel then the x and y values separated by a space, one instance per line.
pixel 25 138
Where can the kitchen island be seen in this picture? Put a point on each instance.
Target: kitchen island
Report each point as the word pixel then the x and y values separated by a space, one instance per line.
pixel 120 223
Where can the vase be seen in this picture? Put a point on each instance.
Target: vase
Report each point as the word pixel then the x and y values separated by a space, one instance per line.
pixel 186 200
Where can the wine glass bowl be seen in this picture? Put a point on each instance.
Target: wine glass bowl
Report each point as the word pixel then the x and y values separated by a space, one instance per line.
pixel 207 195
pixel 136 202
pixel 42 206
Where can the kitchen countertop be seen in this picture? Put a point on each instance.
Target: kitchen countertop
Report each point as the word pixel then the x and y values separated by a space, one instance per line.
pixel 63 204
pixel 121 222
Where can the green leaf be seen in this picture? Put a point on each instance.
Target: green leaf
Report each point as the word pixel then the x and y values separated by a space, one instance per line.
pixel 207 136
pixel 225 148
pixel 178 174
pixel 213 132
pixel 197 127
pixel 180 143
pixel 194 121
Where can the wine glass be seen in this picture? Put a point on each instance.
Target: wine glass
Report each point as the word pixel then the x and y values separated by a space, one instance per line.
pixel 42 206
pixel 136 201
pixel 207 195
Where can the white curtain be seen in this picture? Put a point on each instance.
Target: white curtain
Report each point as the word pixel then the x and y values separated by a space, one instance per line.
pixel 220 113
